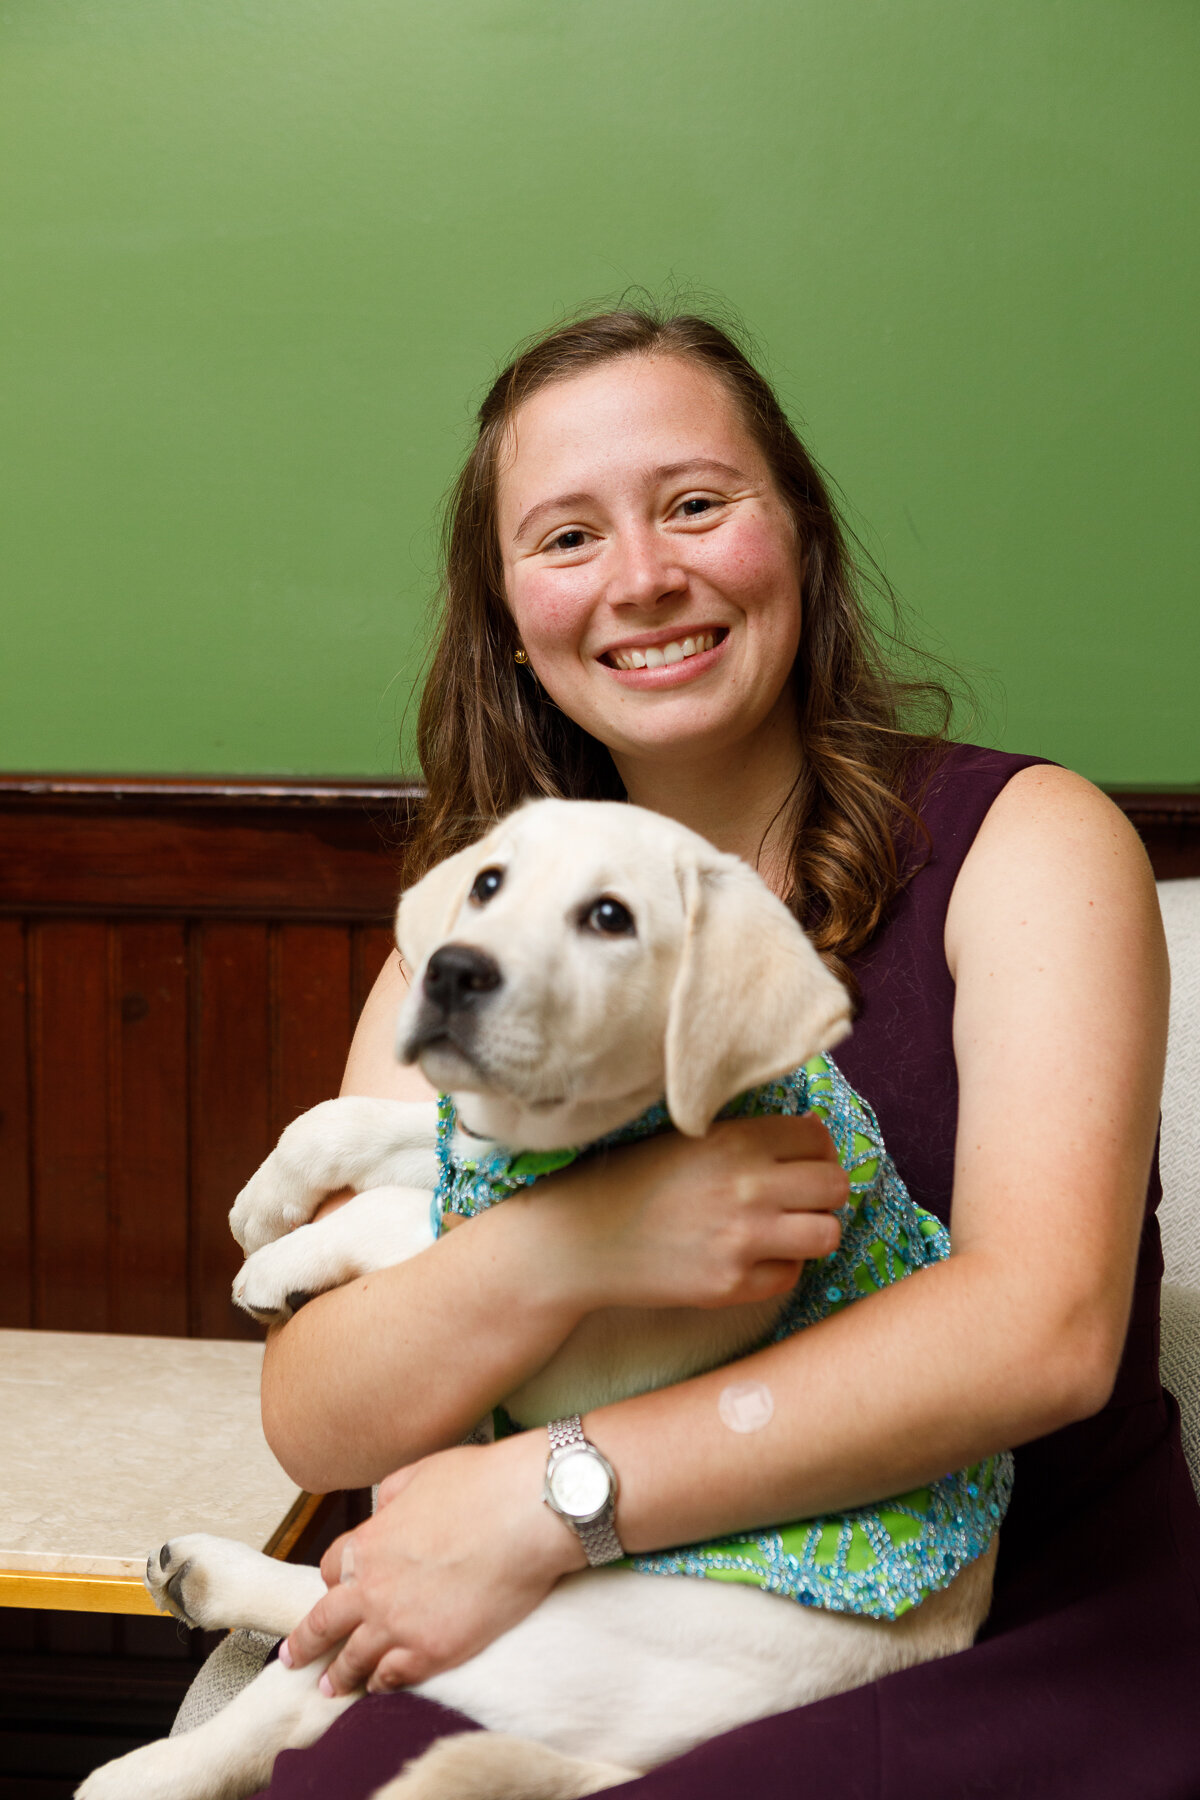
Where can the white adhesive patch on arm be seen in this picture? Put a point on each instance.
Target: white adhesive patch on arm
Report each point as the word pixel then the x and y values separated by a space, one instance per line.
pixel 746 1406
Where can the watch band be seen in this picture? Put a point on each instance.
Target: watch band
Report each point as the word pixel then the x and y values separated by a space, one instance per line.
pixel 598 1536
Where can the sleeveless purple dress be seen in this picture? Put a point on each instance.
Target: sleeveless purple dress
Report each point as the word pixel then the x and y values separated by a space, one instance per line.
pixel 1086 1679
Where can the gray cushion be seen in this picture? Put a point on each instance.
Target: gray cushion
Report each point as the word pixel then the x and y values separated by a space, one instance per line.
pixel 1180 1164
pixel 232 1666
pixel 1180 1365
pixel 1180 1161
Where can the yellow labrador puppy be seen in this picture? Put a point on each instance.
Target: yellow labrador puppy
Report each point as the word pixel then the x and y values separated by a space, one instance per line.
pixel 569 970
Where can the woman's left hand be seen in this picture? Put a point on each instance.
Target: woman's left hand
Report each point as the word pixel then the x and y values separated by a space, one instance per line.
pixel 460 1550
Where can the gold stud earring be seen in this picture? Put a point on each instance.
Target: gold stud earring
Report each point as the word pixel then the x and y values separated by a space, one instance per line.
pixel 521 656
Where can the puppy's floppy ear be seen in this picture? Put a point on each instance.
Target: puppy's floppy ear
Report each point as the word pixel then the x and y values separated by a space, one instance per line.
pixel 751 999
pixel 427 910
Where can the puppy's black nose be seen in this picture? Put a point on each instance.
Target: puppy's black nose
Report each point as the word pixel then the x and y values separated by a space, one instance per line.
pixel 456 973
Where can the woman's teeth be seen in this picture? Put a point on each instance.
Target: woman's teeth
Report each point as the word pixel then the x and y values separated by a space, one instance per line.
pixel 654 658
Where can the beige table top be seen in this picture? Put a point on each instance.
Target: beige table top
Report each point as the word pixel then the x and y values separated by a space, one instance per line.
pixel 110 1445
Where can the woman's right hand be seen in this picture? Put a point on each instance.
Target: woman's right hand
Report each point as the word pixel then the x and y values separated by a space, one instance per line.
pixel 716 1221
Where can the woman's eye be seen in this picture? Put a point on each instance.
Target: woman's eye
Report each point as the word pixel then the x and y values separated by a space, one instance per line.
pixel 487 883
pixel 568 540
pixel 611 918
pixel 697 506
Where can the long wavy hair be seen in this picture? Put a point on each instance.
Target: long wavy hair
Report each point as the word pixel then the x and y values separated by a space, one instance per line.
pixel 488 736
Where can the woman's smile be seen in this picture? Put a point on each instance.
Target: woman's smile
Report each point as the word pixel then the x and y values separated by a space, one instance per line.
pixel 660 661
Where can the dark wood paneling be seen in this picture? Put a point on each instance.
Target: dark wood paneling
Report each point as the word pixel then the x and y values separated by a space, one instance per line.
pixel 371 945
pixel 230 1113
pixel 69 969
pixel 148 1247
pixel 16 1211
pixel 311 1017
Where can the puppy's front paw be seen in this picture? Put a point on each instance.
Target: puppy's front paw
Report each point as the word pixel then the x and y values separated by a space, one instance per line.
pixel 203 1580
pixel 274 1200
pixel 275 1282
pixel 217 1582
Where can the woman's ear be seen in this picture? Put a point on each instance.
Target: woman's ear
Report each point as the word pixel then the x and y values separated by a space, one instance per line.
pixel 427 911
pixel 751 997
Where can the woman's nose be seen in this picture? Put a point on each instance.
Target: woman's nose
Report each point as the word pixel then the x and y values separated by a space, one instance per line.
pixel 647 570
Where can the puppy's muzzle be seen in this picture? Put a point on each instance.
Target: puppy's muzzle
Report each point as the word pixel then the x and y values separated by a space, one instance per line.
pixel 457 982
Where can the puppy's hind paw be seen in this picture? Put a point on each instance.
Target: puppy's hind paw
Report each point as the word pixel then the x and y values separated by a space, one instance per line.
pixel 155 1772
pixel 491 1765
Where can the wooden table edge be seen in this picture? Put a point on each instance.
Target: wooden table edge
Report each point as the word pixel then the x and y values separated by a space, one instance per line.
pixel 55 1591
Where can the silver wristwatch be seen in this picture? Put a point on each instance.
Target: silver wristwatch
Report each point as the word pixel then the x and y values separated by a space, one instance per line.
pixel 581 1486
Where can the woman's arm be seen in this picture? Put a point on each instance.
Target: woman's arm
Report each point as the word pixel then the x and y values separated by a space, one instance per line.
pixel 1054 940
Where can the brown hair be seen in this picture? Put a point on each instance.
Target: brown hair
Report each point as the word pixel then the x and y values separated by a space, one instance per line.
pixel 488 736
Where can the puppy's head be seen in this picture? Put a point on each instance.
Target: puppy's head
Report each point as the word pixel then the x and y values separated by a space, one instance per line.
pixel 587 958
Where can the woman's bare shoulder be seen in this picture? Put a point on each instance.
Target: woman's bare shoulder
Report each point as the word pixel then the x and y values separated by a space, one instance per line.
pixel 372 1067
pixel 1056 850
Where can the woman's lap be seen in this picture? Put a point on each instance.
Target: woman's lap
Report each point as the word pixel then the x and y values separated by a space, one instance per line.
pixel 1072 1705
pixel 1084 1684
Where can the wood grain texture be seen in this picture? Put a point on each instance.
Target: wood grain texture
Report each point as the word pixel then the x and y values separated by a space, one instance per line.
pixel 311 1016
pixel 195 850
pixel 229 1123
pixel 69 968
pixel 370 947
pixel 148 1060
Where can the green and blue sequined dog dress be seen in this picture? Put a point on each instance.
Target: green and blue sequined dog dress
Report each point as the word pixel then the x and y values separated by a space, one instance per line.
pixel 879 1560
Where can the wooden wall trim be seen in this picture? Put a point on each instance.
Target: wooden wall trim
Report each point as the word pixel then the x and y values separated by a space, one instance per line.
pixel 121 846
pixel 134 792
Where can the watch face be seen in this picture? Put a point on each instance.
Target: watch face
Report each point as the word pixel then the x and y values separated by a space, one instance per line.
pixel 580 1485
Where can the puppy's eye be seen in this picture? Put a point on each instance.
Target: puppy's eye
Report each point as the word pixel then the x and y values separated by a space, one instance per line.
pixel 611 918
pixel 487 883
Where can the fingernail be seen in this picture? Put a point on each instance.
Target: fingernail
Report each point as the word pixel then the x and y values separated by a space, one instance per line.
pixel 326 1686
pixel 285 1654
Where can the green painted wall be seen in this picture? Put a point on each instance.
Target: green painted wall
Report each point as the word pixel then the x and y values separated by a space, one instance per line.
pixel 258 257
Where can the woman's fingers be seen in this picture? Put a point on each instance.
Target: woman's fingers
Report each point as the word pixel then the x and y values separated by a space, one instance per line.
pixel 334 1616
pixel 358 1658
pixel 331 1562
pixel 399 1668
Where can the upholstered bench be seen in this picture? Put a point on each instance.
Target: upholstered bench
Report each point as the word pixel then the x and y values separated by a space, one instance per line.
pixel 1179 1215
pixel 109 1444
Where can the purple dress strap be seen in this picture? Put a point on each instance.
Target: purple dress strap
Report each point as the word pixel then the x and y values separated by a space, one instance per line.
pixel 1086 1679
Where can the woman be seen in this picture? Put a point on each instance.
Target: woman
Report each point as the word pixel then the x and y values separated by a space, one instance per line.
pixel 636 493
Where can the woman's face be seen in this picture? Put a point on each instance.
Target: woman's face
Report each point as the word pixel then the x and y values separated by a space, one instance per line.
pixel 650 566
